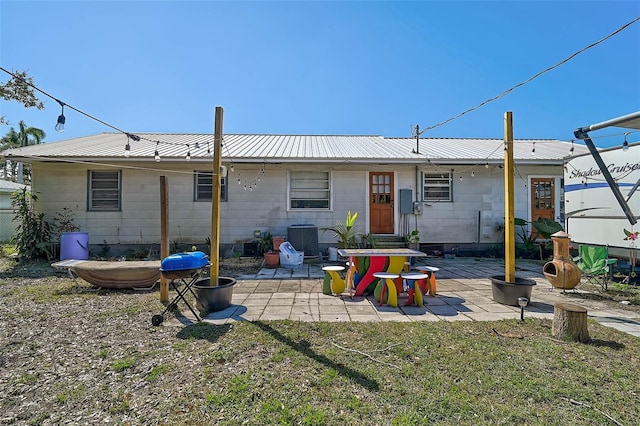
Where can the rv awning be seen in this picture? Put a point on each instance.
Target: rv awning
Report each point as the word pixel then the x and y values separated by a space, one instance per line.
pixel 629 121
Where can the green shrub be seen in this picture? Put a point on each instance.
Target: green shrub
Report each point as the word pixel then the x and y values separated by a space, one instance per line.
pixel 33 229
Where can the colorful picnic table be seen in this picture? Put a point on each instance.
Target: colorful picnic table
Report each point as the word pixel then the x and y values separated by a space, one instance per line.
pixel 379 260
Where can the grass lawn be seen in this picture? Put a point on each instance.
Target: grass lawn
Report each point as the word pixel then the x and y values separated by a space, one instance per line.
pixel 72 354
pixel 503 372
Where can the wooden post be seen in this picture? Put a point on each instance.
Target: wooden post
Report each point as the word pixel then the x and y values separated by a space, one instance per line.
pixel 164 234
pixel 214 256
pixel 509 203
pixel 570 322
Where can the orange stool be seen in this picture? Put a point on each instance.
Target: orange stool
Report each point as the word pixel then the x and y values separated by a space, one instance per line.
pixel 431 283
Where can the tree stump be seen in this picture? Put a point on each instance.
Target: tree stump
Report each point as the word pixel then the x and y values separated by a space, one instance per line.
pixel 570 323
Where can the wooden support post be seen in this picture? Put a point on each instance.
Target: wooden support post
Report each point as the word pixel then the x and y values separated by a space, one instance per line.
pixel 509 202
pixel 570 323
pixel 164 234
pixel 214 255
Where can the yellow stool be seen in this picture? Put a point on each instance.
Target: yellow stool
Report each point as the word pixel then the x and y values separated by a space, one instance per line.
pixel 414 291
pixel 336 283
pixel 389 287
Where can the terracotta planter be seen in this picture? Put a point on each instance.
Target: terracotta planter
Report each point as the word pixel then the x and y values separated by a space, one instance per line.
pixel 271 259
pixel 277 241
pixel 214 298
pixel 507 293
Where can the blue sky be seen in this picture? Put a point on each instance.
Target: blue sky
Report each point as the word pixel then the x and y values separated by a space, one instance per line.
pixel 330 67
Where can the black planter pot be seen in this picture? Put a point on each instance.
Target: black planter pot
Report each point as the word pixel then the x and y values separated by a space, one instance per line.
pixel 507 293
pixel 214 298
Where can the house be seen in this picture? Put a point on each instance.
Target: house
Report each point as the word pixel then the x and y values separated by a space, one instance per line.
pixel 450 189
pixel 7 224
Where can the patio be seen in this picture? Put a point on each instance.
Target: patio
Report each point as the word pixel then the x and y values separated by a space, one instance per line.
pixel 464 294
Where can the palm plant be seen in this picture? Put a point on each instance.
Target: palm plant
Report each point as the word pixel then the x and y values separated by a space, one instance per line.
pixel 24 137
pixel 345 232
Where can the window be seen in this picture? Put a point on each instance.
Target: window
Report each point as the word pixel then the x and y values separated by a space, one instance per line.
pixel 105 188
pixel 204 186
pixel 436 186
pixel 309 190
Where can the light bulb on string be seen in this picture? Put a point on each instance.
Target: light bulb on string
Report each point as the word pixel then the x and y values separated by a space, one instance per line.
pixel 61 119
pixel 197 145
pixel 460 178
pixel 533 150
pixel 486 166
pixel 127 147
pixel 571 149
pixel 156 154
pixel 209 149
pixel 239 183
pixel 188 157
pixel 473 174
pixel 232 169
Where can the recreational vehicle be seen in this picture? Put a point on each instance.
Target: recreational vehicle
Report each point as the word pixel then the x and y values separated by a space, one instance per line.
pixel 601 196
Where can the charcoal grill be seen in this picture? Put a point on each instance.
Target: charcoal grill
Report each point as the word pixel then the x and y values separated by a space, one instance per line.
pixel 183 270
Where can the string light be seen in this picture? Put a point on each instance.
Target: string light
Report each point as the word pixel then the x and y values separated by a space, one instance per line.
pixel 473 174
pixel 127 149
pixel 571 149
pixel 188 157
pixel 61 119
pixel 533 150
pixel 486 166
pixel 156 154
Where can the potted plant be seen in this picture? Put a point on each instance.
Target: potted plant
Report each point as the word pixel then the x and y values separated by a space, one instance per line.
pixel 527 247
pixel 413 239
pixel 345 232
pixel 545 229
pixel 265 248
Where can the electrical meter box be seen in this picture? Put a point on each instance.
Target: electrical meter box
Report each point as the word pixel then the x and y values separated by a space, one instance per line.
pixel 406 201
pixel 417 207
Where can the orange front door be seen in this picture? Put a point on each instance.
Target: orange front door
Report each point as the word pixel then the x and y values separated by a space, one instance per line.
pixel 381 203
pixel 542 199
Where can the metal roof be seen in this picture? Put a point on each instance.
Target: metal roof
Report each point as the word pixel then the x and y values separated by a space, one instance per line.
pixel 295 149
pixel 8 186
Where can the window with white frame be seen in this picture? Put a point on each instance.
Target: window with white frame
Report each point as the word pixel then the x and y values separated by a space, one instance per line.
pixel 309 190
pixel 436 186
pixel 203 186
pixel 105 190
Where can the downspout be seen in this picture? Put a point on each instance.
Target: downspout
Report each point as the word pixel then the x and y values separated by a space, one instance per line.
pixel 582 133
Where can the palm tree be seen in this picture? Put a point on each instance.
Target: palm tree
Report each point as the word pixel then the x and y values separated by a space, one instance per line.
pixel 25 137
